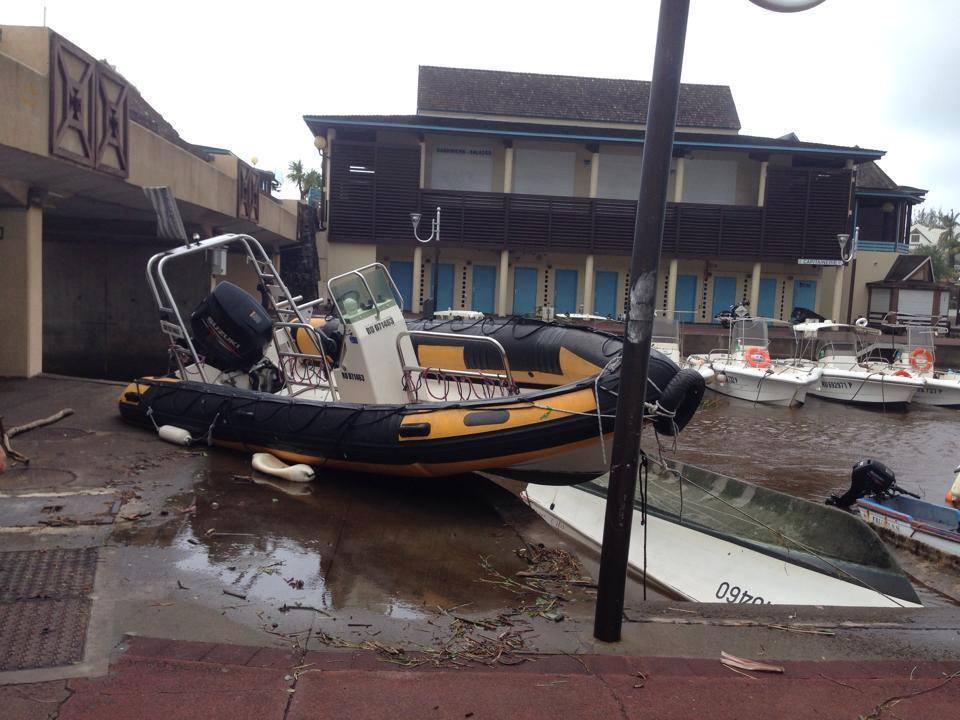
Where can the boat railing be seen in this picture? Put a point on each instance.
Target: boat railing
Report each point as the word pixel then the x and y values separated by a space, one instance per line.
pixel 301 371
pixel 428 384
pixel 288 316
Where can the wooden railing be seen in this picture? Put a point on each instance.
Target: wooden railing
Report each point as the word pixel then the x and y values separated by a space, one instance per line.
pixel 375 187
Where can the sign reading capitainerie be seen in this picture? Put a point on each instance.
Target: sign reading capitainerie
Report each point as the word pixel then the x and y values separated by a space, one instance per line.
pixel 477 152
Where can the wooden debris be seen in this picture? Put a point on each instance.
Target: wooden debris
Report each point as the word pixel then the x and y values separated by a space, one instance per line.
pixel 733 661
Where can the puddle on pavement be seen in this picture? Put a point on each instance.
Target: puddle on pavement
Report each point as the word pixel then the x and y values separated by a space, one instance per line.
pixel 393 547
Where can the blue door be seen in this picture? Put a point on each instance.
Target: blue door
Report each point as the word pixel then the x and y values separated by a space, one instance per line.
pixel 685 303
pixel 766 306
pixel 805 294
pixel 565 290
pixel 445 286
pixel 686 299
pixel 402 273
pixel 484 288
pixel 524 290
pixel 724 294
pixel 605 293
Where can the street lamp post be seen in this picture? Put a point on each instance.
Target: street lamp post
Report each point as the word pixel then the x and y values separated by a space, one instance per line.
pixel 644 266
pixel 430 306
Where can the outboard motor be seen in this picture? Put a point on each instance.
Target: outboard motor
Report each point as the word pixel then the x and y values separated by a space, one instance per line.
pixel 869 477
pixel 230 328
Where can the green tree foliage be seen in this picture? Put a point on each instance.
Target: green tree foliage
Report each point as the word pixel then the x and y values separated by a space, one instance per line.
pixel 927 216
pixel 303 179
pixel 942 269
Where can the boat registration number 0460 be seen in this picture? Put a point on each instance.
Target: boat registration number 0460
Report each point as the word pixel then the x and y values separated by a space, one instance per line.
pixel 735 594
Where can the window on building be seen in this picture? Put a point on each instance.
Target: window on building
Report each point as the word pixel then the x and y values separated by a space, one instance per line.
pixel 461 167
pixel 709 181
pixel 543 172
pixel 914 238
pixel 619 176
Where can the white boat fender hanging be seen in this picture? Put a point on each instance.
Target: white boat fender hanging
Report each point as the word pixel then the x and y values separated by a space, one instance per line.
pixel 175 435
pixel 953 494
pixel 270 465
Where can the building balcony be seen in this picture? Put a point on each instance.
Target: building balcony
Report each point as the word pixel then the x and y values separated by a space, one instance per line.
pixel 373 188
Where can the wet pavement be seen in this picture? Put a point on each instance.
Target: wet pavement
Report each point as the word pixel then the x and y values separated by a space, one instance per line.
pixel 194 546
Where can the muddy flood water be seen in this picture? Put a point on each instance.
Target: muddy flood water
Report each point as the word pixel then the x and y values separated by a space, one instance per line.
pixel 809 451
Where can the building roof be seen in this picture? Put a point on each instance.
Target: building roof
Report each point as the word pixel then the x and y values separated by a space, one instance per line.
pixel 906 267
pixel 566 97
pixel 873 181
pixel 930 234
pixel 509 129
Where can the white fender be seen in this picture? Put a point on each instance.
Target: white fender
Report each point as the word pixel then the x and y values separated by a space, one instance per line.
pixel 270 465
pixel 175 435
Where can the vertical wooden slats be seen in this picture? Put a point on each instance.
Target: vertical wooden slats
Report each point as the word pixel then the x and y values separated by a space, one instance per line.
pixel 804 210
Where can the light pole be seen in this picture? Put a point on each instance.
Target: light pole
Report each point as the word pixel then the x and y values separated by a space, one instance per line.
pixel 430 306
pixel 644 266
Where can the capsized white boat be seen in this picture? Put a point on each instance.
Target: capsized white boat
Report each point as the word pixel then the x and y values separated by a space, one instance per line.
pixel 666 339
pixel 917 357
pixel 712 538
pixel 746 371
pixel 847 373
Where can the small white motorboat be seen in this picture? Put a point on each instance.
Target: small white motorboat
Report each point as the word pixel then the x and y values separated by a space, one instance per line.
pixel 712 538
pixel 666 339
pixel 917 357
pixel 921 525
pixel 848 375
pixel 746 371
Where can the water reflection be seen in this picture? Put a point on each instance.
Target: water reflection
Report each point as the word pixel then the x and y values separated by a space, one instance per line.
pixel 393 547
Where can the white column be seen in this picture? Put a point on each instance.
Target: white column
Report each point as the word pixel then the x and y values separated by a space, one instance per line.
pixel 423 164
pixel 417 274
pixel 672 290
pixel 755 290
pixel 503 282
pixel 508 170
pixel 588 285
pixel 837 308
pixel 678 180
pixel 594 174
pixel 21 291
pixel 762 187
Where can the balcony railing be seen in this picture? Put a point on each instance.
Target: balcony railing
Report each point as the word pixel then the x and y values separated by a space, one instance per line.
pixel 375 187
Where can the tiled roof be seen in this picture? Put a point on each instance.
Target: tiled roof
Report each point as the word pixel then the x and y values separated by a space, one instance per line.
pixel 565 97
pixel 869 175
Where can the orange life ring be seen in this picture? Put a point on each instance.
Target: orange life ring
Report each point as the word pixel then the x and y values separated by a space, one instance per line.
pixel 921 359
pixel 902 373
pixel 757 357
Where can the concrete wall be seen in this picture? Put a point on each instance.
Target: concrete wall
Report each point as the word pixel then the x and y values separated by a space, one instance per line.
pixel 25 106
pixel 21 294
pixel 27 45
pixel 871 266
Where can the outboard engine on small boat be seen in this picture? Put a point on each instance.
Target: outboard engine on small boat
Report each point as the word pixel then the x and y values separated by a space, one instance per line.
pixel 869 478
pixel 230 328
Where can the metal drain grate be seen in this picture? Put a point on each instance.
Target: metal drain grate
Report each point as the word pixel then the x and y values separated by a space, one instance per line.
pixel 47 574
pixel 44 608
pixel 42 633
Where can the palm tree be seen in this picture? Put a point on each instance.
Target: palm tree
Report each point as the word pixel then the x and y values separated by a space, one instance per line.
pixel 296 175
pixel 311 179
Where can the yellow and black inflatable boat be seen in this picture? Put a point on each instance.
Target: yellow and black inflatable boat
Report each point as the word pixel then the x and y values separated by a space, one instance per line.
pixel 466 394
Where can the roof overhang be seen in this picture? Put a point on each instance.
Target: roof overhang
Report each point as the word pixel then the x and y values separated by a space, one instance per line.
pixel 318 124
pixel 913 196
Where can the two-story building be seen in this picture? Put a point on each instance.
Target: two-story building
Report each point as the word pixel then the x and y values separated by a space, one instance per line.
pixel 537 178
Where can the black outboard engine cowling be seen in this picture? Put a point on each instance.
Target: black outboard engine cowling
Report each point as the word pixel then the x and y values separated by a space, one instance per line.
pixel 869 477
pixel 230 328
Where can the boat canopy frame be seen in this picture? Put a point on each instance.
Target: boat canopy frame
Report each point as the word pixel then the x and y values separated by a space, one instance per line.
pixel 288 316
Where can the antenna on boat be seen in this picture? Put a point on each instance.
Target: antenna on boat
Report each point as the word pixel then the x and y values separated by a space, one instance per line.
pixel 169 222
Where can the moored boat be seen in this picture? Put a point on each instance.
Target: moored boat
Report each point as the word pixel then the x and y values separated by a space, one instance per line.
pixel 360 389
pixel 917 357
pixel 745 370
pixel 921 525
pixel 666 339
pixel 847 373
pixel 707 537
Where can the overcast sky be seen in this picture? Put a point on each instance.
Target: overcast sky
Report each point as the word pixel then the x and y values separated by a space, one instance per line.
pixel 875 73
